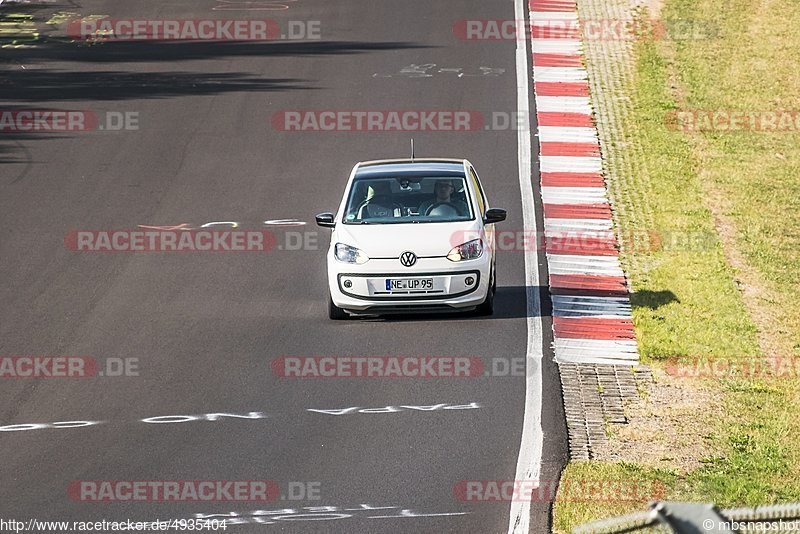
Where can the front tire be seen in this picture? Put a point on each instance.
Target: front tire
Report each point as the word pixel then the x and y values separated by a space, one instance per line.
pixel 335 313
pixel 486 308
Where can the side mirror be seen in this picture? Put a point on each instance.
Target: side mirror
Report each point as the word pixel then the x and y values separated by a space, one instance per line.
pixel 494 215
pixel 325 220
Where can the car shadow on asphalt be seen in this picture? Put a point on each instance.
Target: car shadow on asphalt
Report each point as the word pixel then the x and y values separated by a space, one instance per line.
pixel 510 302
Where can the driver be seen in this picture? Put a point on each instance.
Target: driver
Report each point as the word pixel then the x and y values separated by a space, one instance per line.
pixel 442 191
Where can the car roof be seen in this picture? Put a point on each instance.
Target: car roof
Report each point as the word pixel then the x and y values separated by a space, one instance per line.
pixel 407 167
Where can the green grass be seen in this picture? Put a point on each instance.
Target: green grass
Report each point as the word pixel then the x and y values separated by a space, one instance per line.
pixel 685 300
pixel 749 68
pixel 626 483
pixel 752 67
pixel 758 434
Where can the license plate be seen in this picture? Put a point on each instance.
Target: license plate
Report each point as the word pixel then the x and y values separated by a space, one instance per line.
pixel 408 284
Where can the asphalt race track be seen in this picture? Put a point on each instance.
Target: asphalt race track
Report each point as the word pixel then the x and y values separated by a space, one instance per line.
pixel 204 328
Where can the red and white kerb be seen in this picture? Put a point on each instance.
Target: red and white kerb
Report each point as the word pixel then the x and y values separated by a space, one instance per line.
pixel 592 320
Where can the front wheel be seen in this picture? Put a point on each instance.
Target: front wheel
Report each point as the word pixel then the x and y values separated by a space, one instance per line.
pixel 335 312
pixel 487 306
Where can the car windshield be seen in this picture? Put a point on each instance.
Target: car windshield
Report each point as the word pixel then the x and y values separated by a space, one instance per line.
pixel 408 200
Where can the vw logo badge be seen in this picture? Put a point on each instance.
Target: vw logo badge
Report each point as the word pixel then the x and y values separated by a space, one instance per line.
pixel 408 259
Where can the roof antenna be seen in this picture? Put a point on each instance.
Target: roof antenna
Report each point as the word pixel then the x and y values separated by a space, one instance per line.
pixel 412 150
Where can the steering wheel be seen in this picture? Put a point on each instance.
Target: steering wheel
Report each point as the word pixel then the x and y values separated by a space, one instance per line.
pixel 379 200
pixel 438 204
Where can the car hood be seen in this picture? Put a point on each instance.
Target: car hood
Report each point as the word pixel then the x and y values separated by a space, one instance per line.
pixel 423 239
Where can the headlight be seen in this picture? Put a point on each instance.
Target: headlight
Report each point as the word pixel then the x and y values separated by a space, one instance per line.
pixel 349 254
pixel 468 251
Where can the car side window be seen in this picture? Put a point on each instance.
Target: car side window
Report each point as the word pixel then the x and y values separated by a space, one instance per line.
pixel 476 184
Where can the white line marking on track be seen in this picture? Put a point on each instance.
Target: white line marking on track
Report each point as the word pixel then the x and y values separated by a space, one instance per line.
pixel 530 451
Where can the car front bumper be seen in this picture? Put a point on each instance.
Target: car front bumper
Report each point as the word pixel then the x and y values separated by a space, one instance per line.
pixel 363 288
